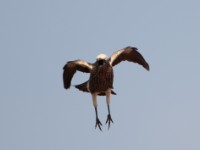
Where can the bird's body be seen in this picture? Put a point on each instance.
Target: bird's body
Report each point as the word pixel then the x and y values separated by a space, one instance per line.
pixel 101 78
pixel 101 75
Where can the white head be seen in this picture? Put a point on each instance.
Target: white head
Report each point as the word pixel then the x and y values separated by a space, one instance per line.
pixel 102 57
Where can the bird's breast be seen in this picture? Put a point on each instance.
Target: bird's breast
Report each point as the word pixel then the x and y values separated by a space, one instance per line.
pixel 101 78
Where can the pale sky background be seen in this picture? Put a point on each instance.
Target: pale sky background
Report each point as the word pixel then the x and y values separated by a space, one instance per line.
pixel 156 110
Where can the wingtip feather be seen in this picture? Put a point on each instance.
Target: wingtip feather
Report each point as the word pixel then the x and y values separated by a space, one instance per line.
pixel 147 67
pixel 66 87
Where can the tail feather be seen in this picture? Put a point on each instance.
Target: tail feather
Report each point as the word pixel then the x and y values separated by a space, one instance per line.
pixel 84 87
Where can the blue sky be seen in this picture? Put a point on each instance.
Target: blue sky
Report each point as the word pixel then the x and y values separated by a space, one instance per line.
pixel 156 110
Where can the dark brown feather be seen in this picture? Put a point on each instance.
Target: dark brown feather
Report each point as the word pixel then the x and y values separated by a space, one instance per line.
pixel 70 69
pixel 101 78
pixel 83 87
pixel 128 54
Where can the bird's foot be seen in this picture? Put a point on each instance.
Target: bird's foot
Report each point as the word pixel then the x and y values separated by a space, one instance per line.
pixel 98 123
pixel 109 119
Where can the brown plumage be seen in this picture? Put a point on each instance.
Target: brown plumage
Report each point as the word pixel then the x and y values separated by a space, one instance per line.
pixel 83 87
pixel 130 54
pixel 101 75
pixel 101 78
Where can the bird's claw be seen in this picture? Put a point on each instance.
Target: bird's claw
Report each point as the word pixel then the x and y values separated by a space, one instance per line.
pixel 109 119
pixel 98 123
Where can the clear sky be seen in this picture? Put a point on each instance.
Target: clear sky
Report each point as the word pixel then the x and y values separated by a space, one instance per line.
pixel 155 110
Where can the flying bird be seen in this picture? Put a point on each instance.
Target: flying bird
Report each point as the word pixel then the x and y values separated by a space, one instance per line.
pixel 101 75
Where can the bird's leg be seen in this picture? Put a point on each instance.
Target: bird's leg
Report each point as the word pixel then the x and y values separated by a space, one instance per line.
pixel 98 123
pixel 109 119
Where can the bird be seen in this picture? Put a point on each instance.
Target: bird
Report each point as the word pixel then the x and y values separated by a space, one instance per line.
pixel 100 82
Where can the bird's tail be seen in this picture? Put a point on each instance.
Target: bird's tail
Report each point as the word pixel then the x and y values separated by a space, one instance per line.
pixel 85 88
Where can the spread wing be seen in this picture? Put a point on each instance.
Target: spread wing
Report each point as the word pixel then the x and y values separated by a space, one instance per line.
pixel 70 69
pixel 130 54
